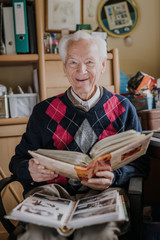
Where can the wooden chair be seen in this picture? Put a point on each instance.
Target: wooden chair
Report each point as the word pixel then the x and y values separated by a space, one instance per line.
pixel 110 79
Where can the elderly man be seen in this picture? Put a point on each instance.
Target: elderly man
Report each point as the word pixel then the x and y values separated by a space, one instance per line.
pixel 76 120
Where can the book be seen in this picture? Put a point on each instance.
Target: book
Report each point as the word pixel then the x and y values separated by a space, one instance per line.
pixel 32 31
pixel 20 26
pixel 9 30
pixel 2 45
pixel 66 215
pixel 116 150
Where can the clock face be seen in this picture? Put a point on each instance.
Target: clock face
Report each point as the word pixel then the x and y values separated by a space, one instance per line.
pixel 118 17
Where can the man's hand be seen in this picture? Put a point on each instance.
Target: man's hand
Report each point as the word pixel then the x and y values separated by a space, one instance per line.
pixel 102 181
pixel 39 173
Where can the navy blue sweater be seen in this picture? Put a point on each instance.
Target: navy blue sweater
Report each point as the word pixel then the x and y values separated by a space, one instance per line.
pixel 57 124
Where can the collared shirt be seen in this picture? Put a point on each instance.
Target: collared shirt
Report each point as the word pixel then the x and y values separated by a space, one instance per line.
pixel 91 102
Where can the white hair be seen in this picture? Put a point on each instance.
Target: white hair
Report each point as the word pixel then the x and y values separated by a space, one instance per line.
pixel 101 43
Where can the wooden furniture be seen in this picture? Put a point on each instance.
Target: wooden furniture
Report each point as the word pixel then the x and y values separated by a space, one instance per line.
pixel 150 120
pixel 10 135
pixel 17 70
pixel 56 81
pixel 151 184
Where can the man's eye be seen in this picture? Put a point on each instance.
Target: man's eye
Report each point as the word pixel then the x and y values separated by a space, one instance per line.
pixel 90 63
pixel 72 62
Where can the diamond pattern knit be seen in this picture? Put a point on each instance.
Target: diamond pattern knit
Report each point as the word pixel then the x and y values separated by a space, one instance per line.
pixel 76 130
pixel 60 123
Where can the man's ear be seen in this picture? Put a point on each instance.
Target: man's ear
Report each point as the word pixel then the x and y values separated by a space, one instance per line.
pixel 104 63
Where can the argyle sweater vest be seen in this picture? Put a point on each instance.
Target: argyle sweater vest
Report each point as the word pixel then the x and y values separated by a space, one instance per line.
pixel 76 130
pixel 57 123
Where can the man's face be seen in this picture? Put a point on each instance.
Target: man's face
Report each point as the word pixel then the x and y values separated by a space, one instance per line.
pixel 83 67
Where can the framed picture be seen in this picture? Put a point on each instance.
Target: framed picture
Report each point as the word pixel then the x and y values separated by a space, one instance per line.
pixel 90 8
pixel 61 14
pixel 118 18
pixel 121 17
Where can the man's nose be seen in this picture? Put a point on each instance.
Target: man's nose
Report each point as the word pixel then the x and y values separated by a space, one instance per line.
pixel 81 68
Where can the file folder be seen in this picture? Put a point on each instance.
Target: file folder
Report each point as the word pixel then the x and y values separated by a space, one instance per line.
pixel 32 35
pixel 20 26
pixel 9 30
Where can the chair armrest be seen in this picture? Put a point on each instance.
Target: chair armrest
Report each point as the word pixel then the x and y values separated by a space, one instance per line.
pixel 136 185
pixel 135 192
pixel 5 222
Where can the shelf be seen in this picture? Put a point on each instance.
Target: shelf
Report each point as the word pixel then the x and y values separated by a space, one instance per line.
pixel 52 57
pixel 22 58
pixel 11 121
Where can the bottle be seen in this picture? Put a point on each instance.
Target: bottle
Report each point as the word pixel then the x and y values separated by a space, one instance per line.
pixel 4 113
pixel 54 44
pixel 158 93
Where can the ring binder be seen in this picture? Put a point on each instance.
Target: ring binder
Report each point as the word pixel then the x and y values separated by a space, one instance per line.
pixel 20 25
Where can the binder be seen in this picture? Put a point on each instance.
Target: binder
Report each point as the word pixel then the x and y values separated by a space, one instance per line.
pixel 2 45
pixel 9 30
pixel 32 33
pixel 20 26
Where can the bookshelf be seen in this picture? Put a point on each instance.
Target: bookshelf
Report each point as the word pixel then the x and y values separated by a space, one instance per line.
pixel 23 58
pixel 14 66
pixel 17 70
pixel 49 66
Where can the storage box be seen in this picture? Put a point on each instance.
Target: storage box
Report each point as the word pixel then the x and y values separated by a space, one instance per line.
pixel 21 105
pixel 150 119
pixel 142 103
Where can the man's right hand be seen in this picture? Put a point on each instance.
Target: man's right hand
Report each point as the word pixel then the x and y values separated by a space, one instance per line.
pixel 39 173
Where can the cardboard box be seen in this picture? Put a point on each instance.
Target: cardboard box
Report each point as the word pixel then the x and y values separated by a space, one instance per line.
pixel 150 119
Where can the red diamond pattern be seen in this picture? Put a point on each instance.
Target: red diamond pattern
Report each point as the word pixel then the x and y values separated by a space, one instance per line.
pixel 107 132
pixel 56 110
pixel 111 106
pixel 61 138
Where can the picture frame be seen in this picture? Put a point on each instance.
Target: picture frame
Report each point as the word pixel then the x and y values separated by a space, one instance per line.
pixel 90 8
pixel 63 14
pixel 122 15
pixel 118 18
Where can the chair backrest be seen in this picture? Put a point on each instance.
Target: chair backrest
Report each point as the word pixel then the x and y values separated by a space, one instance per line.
pixel 57 83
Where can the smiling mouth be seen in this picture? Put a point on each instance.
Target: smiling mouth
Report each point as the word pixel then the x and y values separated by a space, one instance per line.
pixel 82 80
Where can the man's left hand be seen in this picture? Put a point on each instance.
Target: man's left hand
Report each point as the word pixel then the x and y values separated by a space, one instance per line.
pixel 102 180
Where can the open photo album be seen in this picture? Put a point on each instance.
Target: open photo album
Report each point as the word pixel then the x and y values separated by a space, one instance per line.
pixel 116 150
pixel 66 215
